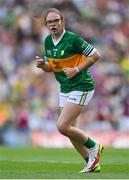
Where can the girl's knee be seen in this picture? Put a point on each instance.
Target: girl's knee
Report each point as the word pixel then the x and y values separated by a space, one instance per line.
pixel 62 128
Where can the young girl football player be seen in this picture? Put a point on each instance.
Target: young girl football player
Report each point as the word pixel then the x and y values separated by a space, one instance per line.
pixel 69 57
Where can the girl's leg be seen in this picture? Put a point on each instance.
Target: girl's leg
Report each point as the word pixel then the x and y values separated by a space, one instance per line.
pixel 82 150
pixel 69 115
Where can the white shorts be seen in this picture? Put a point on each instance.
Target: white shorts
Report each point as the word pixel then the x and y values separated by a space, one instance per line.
pixel 76 97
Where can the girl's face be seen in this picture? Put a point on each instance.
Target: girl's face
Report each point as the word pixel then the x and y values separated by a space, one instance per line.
pixel 54 23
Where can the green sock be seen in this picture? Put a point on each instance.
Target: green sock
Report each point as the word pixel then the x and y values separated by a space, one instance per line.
pixel 86 159
pixel 89 143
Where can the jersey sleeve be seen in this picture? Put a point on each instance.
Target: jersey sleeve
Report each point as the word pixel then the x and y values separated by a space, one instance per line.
pixel 44 55
pixel 83 46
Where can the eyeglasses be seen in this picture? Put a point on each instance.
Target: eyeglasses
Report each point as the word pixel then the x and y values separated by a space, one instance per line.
pixel 55 21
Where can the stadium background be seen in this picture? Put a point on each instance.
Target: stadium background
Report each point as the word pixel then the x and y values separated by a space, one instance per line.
pixel 29 97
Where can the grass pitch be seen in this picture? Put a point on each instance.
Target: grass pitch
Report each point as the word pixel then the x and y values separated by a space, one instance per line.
pixel 43 163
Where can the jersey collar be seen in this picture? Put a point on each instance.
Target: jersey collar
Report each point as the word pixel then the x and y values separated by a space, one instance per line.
pixel 55 42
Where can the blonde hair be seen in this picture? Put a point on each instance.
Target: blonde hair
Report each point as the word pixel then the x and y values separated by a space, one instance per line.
pixel 55 11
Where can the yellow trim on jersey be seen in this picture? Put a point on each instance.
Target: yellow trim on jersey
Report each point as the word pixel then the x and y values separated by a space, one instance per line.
pixel 58 65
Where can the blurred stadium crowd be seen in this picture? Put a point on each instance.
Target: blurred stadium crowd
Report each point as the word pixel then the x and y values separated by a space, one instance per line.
pixel 29 97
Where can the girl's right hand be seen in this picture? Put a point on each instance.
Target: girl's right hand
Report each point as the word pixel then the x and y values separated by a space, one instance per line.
pixel 39 62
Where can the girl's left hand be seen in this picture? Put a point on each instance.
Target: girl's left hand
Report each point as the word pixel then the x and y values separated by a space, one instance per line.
pixel 70 72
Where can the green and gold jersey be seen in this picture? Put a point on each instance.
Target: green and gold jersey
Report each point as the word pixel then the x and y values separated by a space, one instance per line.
pixel 70 51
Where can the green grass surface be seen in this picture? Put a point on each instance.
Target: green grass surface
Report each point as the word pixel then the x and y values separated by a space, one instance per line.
pixel 39 163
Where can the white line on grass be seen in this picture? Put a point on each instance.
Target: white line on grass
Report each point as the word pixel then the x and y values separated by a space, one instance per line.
pixel 47 161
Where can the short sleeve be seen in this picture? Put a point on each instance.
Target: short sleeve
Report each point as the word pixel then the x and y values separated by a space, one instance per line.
pixel 83 46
